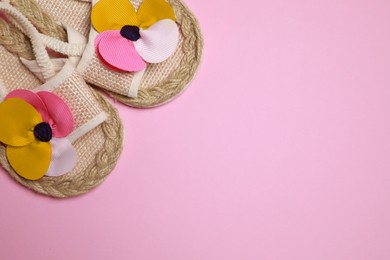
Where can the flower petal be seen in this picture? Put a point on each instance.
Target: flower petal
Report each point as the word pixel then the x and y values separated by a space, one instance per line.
pixel 18 119
pixel 31 98
pixel 61 118
pixel 105 63
pixel 113 15
pixel 152 11
pixel 63 159
pixel 30 161
pixel 158 42
pixel 119 52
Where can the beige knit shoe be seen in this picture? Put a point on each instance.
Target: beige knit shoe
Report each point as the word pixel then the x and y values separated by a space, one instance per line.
pixel 156 85
pixel 96 134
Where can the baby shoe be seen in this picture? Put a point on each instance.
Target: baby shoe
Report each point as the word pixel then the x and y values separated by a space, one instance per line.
pixel 59 137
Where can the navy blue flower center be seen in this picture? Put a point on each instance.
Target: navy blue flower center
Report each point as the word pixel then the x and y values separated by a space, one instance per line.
pixel 43 132
pixel 130 32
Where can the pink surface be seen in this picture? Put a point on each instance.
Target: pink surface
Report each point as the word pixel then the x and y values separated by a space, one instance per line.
pixel 279 150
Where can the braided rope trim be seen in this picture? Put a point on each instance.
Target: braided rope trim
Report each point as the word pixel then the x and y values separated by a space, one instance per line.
pixel 40 18
pixel 105 161
pixel 150 96
pixel 15 41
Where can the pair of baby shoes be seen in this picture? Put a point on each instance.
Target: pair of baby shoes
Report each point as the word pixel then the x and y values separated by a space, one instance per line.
pixel 60 136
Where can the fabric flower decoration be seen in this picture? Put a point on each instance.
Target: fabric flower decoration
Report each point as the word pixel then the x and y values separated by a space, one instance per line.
pixel 129 40
pixel 33 127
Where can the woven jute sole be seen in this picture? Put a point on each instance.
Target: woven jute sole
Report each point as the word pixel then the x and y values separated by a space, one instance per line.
pixel 98 150
pixel 161 83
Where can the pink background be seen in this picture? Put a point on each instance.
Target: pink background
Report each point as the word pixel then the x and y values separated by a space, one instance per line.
pixel 279 150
